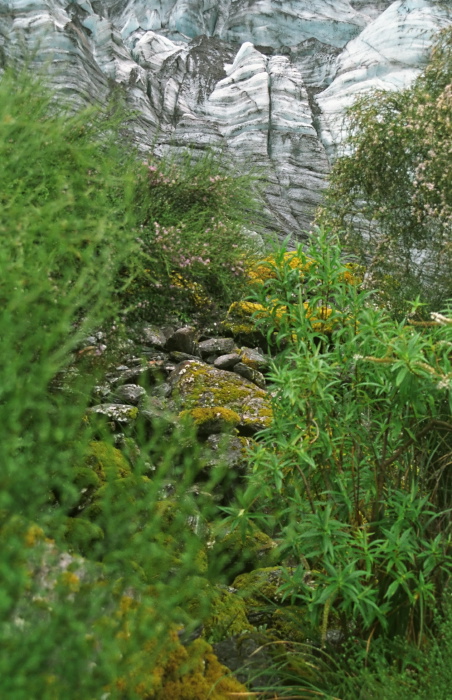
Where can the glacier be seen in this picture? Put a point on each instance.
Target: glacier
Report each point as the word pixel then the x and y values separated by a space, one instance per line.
pixel 265 82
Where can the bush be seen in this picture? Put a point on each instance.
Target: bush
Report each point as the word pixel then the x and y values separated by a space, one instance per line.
pixel 65 191
pixel 353 470
pixel 193 244
pixel 69 626
pixel 390 192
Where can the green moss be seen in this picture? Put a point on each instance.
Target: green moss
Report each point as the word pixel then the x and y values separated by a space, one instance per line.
pixel 86 479
pixel 227 616
pixel 107 461
pixel 260 586
pixel 207 680
pixel 190 672
pixel 128 492
pixel 82 535
pixel 245 553
pixel 212 419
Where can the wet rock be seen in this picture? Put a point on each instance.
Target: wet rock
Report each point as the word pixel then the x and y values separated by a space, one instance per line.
pixel 154 336
pixel 216 347
pixel 226 361
pixel 249 373
pixel 129 394
pixel 183 340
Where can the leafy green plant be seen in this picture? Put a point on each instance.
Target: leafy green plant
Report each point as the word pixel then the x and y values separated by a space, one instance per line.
pixel 390 190
pixel 353 467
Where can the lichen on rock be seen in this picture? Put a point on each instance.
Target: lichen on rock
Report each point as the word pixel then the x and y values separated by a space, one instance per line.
pixel 212 420
pixel 197 385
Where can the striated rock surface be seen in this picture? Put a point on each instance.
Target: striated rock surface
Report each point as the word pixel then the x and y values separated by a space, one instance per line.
pixel 266 82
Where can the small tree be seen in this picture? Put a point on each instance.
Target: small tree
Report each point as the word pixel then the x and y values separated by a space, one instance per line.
pixel 391 190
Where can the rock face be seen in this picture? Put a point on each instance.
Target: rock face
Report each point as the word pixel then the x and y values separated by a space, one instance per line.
pixel 266 82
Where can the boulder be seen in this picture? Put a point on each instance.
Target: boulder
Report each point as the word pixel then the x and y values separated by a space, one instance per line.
pixel 129 394
pixel 216 347
pixel 249 373
pixel 198 385
pixel 227 361
pixel 183 340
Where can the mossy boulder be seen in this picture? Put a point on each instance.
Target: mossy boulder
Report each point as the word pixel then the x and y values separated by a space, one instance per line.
pixel 260 592
pixel 212 420
pixel 102 462
pixel 190 672
pixel 82 535
pixel 292 624
pixel 227 615
pixel 198 385
pixel 260 586
pixel 245 551
pixel 107 461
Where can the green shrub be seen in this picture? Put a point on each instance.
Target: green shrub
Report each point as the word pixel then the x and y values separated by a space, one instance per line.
pixel 390 192
pixel 193 245
pixel 353 468
pixel 65 192
pixel 68 215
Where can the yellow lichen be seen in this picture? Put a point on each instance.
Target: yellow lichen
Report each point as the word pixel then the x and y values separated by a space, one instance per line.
pixel 219 414
pixel 268 268
pixel 279 312
pixel 33 534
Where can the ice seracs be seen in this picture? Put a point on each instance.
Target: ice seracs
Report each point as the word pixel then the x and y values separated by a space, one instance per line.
pixel 265 81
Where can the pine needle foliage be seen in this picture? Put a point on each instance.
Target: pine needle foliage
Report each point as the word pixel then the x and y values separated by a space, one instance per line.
pixel 99 567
